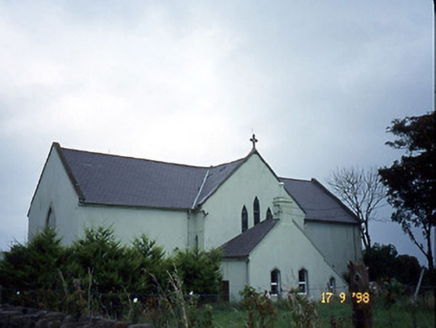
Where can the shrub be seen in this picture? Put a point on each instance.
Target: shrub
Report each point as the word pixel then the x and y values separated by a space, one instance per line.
pixel 29 272
pixel 199 270
pixel 261 310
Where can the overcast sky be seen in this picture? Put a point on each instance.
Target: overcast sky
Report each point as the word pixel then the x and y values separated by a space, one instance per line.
pixel 189 82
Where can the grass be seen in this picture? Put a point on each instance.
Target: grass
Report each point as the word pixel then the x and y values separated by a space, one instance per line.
pixel 400 315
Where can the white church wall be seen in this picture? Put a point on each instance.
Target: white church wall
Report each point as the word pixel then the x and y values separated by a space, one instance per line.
pixel 287 249
pixel 339 243
pixel 56 192
pixel 196 229
pixel 252 179
pixel 169 228
pixel 235 271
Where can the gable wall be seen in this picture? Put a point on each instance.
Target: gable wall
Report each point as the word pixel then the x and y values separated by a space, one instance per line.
pixel 169 228
pixel 54 190
pixel 286 248
pixel 253 178
pixel 339 243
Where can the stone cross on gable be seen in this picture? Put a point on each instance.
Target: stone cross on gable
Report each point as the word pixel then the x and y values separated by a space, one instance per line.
pixel 254 140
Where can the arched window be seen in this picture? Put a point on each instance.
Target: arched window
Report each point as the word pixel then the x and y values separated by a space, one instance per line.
pixel 332 285
pixel 256 211
pixel 269 214
pixel 303 283
pixel 50 220
pixel 244 219
pixel 275 282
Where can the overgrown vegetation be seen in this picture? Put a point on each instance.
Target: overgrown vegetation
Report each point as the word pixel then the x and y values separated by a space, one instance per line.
pixel 98 275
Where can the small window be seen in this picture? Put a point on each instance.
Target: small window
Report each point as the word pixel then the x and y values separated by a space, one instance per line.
pixel 50 221
pixel 275 282
pixel 244 219
pixel 332 285
pixel 269 214
pixel 256 211
pixel 303 285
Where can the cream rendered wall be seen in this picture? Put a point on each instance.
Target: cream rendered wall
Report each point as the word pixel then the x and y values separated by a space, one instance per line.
pixel 286 248
pixel 253 178
pixel 55 190
pixel 236 272
pixel 339 243
pixel 169 228
pixel 196 229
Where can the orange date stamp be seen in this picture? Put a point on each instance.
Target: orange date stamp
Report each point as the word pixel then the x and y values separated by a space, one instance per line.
pixel 358 297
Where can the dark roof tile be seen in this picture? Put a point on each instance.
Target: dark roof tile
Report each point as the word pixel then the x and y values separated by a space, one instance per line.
pixel 317 202
pixel 243 244
pixel 116 180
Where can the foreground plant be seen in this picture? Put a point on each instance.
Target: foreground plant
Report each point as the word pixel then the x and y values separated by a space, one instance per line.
pixel 261 310
pixel 302 311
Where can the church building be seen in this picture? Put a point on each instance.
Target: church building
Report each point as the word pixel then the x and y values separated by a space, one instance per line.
pixel 276 234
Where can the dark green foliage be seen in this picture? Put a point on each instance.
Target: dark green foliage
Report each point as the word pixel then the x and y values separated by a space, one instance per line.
pixel 411 182
pixel 380 260
pixel 407 269
pixel 151 265
pixel 29 272
pixel 384 263
pixel 100 254
pixel 99 275
pixel 103 268
pixel 36 264
pixel 199 270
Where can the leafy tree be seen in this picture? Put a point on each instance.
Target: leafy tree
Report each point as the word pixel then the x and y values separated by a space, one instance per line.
pixel 407 269
pixel 384 263
pixel 380 260
pixel 199 270
pixel 411 181
pixel 363 192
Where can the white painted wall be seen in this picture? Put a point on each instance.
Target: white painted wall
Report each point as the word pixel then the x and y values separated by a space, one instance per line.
pixel 235 271
pixel 169 228
pixel 287 249
pixel 339 243
pixel 55 190
pixel 253 178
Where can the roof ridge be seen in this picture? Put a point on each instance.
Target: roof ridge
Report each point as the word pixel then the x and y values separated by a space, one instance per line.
pixel 146 159
pixel 200 189
pixel 295 179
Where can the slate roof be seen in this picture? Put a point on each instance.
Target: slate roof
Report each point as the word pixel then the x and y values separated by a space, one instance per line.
pixel 243 244
pixel 317 202
pixel 116 180
pixel 126 181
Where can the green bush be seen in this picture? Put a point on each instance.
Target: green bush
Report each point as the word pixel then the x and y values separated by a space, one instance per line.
pixel 29 273
pixel 199 270
pixel 99 275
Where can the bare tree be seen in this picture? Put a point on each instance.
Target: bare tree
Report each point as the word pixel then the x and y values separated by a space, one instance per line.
pixel 363 192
